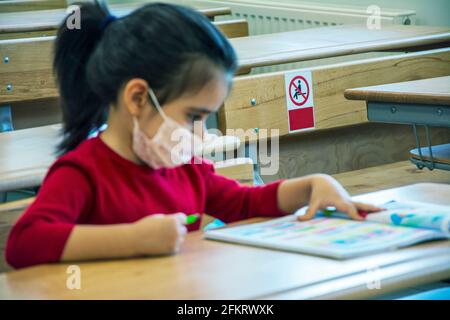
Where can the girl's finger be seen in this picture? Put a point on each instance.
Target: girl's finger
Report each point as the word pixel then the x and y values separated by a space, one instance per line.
pixel 180 217
pixel 312 209
pixel 182 231
pixel 367 207
pixel 350 209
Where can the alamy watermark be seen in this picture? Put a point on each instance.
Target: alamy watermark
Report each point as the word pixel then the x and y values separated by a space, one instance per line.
pixel 73 281
pixel 73 20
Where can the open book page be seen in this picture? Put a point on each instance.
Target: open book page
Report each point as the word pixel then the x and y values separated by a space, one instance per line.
pixel 414 214
pixel 331 237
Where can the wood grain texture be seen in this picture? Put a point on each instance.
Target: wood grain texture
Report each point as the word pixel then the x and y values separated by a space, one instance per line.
pixel 30 5
pixel 184 276
pixel 329 83
pixel 240 169
pixel 29 70
pixel 388 176
pixel 233 28
pixel 431 91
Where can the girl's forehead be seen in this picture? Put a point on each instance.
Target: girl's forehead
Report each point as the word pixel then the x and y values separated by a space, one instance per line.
pixel 211 95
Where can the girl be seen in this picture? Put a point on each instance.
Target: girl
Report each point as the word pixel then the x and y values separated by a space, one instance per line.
pixel 124 193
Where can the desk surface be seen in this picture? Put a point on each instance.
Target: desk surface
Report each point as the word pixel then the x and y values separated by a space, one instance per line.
pixel 215 270
pixel 317 43
pixel 50 19
pixel 26 155
pixel 434 91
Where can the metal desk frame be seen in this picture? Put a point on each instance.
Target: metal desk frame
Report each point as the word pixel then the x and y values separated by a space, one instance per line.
pixel 415 115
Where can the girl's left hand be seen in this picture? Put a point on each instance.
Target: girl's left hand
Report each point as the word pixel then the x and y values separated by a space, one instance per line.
pixel 326 191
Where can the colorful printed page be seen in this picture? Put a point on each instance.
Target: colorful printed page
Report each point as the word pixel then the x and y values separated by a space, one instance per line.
pixel 323 236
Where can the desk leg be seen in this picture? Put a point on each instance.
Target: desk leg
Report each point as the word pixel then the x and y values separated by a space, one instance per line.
pixel 422 163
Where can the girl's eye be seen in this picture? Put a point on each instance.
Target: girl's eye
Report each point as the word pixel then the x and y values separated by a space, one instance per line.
pixel 194 117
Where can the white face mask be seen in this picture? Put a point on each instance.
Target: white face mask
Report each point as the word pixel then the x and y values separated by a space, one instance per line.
pixel 172 145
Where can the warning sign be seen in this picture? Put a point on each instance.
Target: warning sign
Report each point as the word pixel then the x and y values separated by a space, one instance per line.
pixel 299 101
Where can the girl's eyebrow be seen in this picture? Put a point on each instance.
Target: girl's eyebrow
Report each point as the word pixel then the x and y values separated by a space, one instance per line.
pixel 199 110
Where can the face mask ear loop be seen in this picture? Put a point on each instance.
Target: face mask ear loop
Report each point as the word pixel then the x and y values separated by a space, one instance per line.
pixel 156 103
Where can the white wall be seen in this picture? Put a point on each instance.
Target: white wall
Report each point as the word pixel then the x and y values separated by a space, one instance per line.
pixel 428 12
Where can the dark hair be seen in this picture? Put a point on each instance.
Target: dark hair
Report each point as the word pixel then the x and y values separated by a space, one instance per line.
pixel 174 48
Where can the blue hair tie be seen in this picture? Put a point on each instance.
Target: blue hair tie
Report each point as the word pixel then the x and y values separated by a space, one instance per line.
pixel 110 18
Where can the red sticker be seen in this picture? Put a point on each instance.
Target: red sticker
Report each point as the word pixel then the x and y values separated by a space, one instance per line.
pixel 302 118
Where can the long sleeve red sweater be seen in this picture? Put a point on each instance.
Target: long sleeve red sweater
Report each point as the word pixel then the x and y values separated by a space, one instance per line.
pixel 94 185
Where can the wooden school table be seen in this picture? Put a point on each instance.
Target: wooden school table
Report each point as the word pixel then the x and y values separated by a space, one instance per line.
pixel 422 102
pixel 28 21
pixel 26 155
pixel 215 270
pixel 318 43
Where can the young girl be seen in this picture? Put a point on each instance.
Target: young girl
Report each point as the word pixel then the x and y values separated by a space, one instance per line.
pixel 122 194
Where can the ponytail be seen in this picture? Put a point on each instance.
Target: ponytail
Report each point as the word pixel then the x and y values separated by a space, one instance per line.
pixel 83 110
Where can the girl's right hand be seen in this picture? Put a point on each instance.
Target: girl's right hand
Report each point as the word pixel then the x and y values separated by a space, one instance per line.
pixel 159 234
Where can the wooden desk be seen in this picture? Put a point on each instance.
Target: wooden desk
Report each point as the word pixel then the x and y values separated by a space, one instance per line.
pixel 28 21
pixel 318 43
pixel 421 102
pixel 26 156
pixel 424 101
pixel 215 270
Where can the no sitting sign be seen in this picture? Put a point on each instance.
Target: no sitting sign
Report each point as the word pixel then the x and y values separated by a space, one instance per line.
pixel 299 100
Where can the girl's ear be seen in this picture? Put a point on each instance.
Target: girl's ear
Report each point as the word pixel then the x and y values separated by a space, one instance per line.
pixel 135 96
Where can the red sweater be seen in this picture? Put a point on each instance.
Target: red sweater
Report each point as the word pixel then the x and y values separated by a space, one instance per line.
pixel 94 185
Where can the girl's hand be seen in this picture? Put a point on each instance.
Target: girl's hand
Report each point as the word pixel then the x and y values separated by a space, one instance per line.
pixel 326 191
pixel 159 234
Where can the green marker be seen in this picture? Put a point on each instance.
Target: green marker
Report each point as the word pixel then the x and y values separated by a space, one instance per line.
pixel 192 218
pixel 329 211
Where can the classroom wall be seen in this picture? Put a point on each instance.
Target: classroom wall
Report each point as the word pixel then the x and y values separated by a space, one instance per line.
pixel 429 12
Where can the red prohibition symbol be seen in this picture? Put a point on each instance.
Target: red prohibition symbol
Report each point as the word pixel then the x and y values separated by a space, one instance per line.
pixel 299 98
